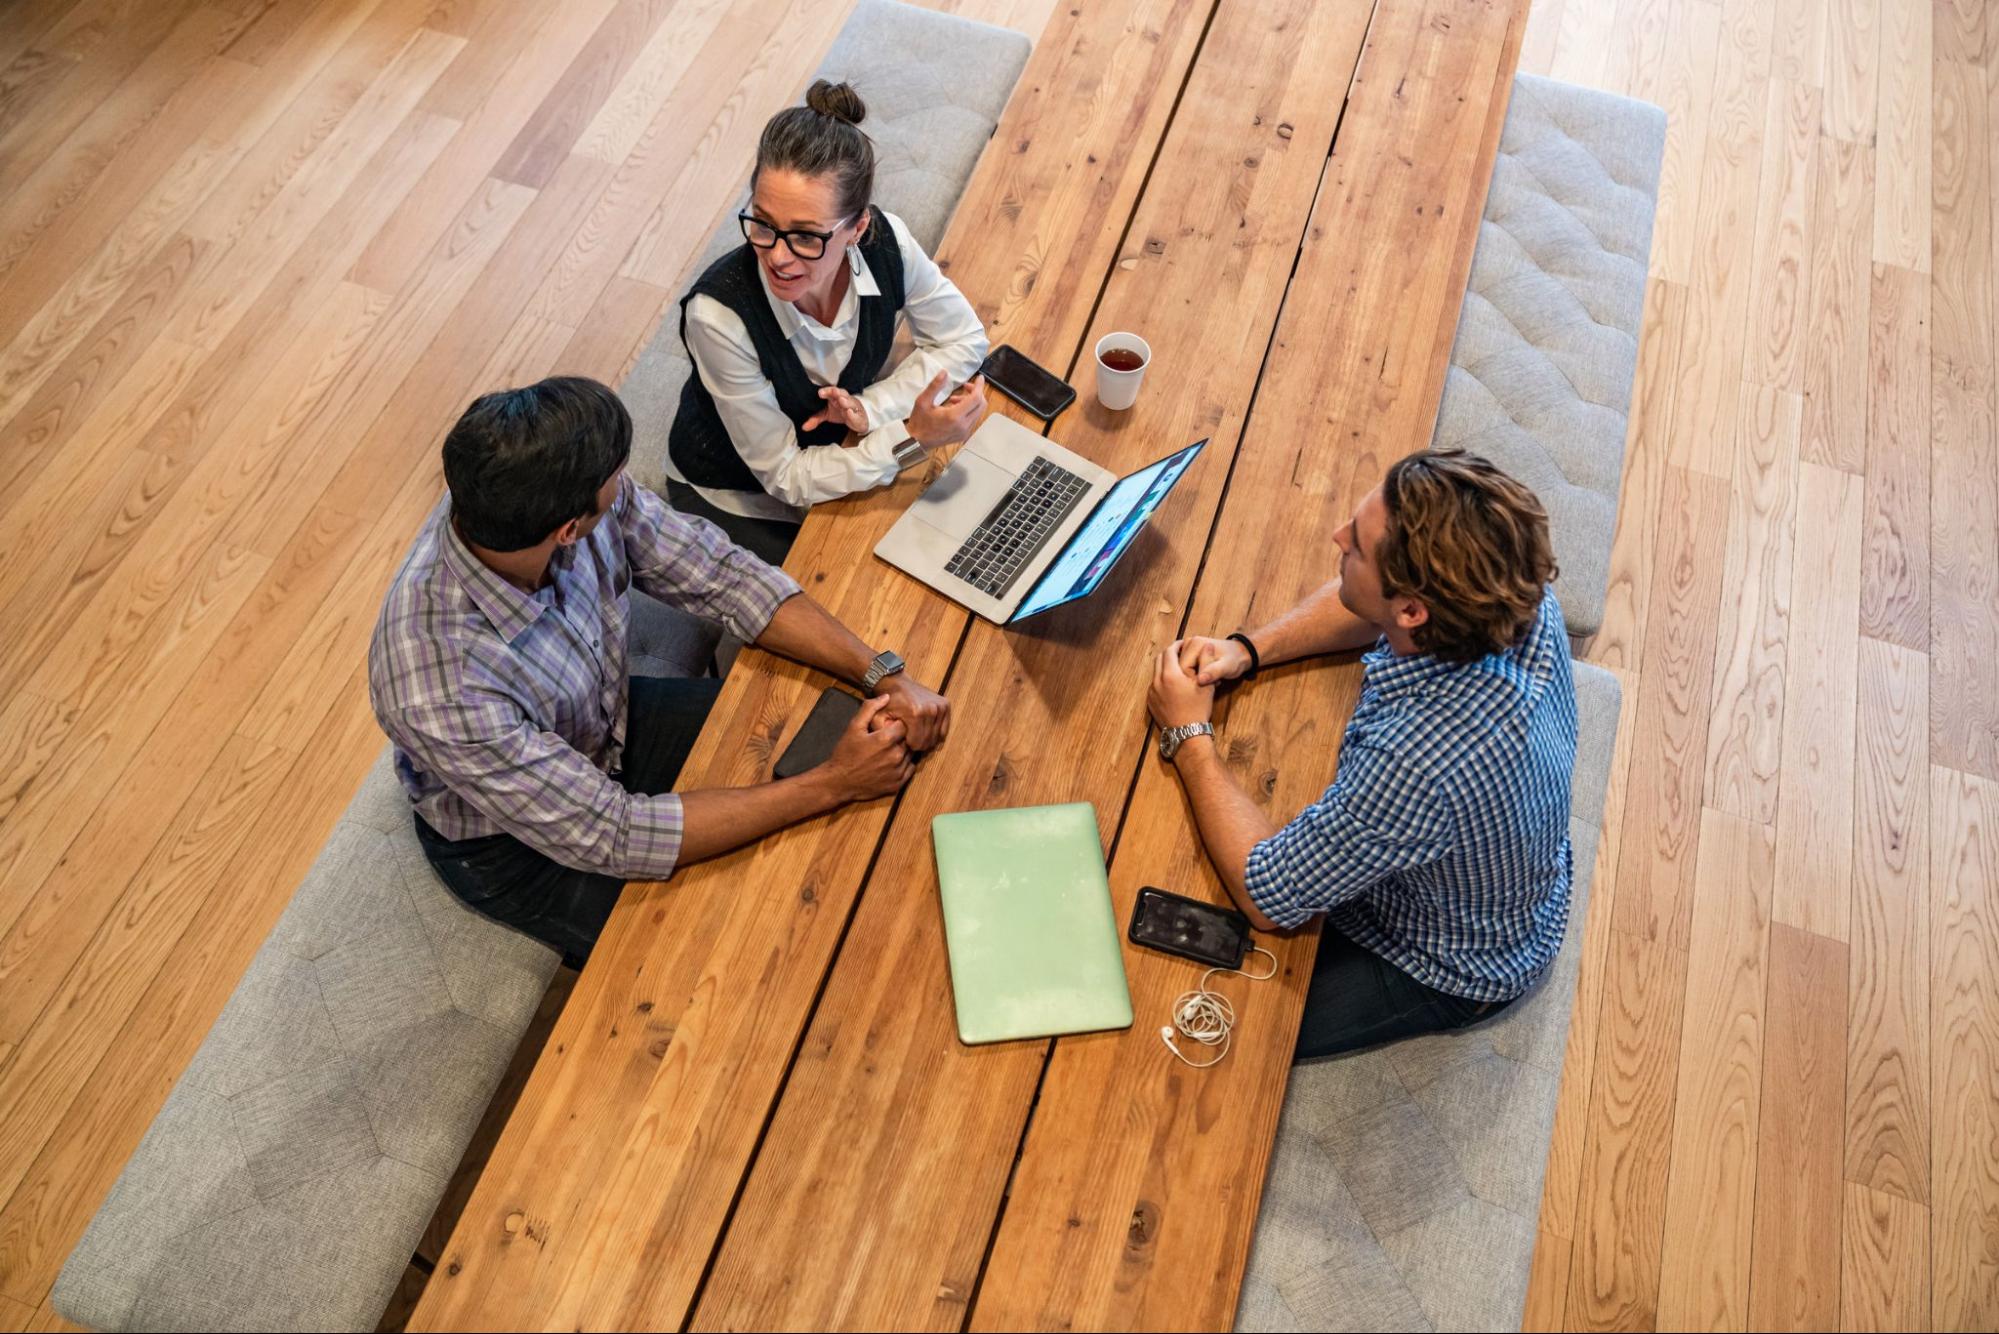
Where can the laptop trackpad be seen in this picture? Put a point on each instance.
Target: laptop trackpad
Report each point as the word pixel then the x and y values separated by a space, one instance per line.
pixel 957 502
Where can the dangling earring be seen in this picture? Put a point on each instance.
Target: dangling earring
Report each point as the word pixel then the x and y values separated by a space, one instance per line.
pixel 854 260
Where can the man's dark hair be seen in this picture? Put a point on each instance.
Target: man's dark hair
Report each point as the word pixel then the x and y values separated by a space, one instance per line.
pixel 1471 544
pixel 522 462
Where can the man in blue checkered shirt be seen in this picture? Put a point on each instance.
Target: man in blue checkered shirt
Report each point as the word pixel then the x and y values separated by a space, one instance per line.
pixel 1440 854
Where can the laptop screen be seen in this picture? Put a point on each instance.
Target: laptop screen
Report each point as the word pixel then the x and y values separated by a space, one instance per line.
pixel 1109 530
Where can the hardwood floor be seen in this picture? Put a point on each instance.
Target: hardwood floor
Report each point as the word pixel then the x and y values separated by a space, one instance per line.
pixel 256 254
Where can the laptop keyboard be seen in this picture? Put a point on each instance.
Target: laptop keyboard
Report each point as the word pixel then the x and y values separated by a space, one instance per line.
pixel 1001 546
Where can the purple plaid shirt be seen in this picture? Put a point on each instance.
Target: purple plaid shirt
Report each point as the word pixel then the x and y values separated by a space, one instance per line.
pixel 507 709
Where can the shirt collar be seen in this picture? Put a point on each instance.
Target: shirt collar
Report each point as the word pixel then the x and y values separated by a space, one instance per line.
pixel 508 609
pixel 794 323
pixel 1392 674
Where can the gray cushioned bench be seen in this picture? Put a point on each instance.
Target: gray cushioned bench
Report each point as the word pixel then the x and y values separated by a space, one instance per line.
pixel 1405 1189
pixel 290 1175
pixel 1547 344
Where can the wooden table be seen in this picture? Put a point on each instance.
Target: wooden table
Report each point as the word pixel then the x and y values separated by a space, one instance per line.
pixel 754 1111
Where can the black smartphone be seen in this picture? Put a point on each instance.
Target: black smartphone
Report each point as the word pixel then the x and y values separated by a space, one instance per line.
pixel 1176 924
pixel 813 745
pixel 1035 388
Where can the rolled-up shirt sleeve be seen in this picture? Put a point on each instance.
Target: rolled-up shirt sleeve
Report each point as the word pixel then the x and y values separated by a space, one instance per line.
pixel 1380 816
pixel 688 563
pixel 947 334
pixel 539 788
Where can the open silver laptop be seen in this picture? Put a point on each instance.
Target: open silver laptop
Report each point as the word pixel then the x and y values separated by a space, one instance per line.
pixel 1017 524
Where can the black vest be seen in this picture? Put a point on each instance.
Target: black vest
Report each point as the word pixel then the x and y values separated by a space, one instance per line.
pixel 698 442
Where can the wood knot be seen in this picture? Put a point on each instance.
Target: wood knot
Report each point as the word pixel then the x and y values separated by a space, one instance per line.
pixel 1284 129
pixel 1144 1226
pixel 1268 782
pixel 808 895
pixel 658 1049
pixel 454 1268
pixel 645 1007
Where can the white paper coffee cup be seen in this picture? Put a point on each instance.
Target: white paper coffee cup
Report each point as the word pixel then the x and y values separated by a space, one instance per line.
pixel 1116 389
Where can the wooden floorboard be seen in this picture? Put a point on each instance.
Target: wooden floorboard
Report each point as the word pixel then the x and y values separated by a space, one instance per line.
pixel 254 257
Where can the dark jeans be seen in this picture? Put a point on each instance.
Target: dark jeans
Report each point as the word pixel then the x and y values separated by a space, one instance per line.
pixel 766 539
pixel 1359 999
pixel 564 908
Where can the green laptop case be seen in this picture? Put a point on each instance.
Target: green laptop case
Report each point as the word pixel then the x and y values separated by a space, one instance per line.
pixel 1027 918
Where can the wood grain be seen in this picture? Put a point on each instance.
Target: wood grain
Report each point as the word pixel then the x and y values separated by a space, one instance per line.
pixel 1902 133
pixel 1781 272
pixel 1746 713
pixel 1798 1186
pixel 1614 1277
pixel 1836 321
pixel 1548 1285
pixel 1852 68
pixel 1884 1268
pixel 1895 525
pixel 1683 82
pixel 1669 754
pixel 1136 1193
pixel 1964 1046
pixel 1888 1021
pixel 1711 1191
pixel 630 1248
pixel 921 1233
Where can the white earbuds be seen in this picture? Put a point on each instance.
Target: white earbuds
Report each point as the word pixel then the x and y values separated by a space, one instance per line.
pixel 1206 1016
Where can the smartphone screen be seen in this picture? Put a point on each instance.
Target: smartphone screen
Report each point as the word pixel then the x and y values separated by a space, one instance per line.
pixel 1218 937
pixel 1030 385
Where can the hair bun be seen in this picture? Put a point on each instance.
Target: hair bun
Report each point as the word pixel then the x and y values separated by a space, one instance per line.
pixel 838 100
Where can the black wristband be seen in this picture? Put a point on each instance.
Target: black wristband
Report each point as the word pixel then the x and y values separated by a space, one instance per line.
pixel 1255 658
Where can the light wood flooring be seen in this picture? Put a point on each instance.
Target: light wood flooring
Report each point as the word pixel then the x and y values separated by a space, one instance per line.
pixel 256 254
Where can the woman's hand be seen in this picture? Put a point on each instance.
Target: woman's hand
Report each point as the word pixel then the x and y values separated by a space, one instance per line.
pixel 932 424
pixel 841 407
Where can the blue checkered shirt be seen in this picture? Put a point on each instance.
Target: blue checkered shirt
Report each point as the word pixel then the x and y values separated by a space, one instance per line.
pixel 1443 843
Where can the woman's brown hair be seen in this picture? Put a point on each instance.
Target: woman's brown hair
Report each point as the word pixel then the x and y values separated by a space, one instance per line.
pixel 822 138
pixel 1469 543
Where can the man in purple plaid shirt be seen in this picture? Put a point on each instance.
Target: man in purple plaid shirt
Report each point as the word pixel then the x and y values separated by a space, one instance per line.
pixel 539 772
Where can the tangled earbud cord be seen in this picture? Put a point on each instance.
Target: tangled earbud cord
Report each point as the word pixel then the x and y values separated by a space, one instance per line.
pixel 1207 1016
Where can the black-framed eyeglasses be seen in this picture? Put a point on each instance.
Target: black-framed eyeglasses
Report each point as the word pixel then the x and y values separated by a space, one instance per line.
pixel 802 243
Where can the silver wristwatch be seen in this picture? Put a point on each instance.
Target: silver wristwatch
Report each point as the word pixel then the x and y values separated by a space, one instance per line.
pixel 909 452
pixel 886 663
pixel 1172 738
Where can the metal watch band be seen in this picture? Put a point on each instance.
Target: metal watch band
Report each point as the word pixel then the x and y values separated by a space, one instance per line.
pixel 1172 738
pixel 886 663
pixel 910 451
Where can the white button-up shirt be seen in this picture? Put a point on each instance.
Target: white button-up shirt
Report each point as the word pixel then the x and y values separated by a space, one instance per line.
pixel 948 337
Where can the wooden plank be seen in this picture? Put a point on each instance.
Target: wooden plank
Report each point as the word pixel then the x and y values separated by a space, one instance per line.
pixel 1836 322
pixel 1781 270
pixel 1888 1054
pixel 1798 1186
pixel 1815 812
pixel 1884 1267
pixel 1964 1043
pixel 1852 68
pixel 1547 1285
pixel 1562 1183
pixel 15 1315
pixel 1627 596
pixel 1198 238
pixel 1798 39
pixel 1746 717
pixel 550 134
pixel 1033 274
pixel 1715 340
pixel 1117 1141
pixel 1964 506
pixel 1669 754
pixel 1902 137
pixel 1682 82
pixel 1614 1278
pixel 1895 525
pixel 1961 31
pixel 1711 1192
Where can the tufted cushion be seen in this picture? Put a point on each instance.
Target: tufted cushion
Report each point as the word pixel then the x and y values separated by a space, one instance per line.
pixel 1405 1188
pixel 290 1174
pixel 1540 375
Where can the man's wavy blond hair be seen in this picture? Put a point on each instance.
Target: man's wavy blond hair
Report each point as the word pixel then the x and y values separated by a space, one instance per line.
pixel 1470 544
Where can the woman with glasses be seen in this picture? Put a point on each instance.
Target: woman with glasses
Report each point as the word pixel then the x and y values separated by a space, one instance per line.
pixel 792 401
